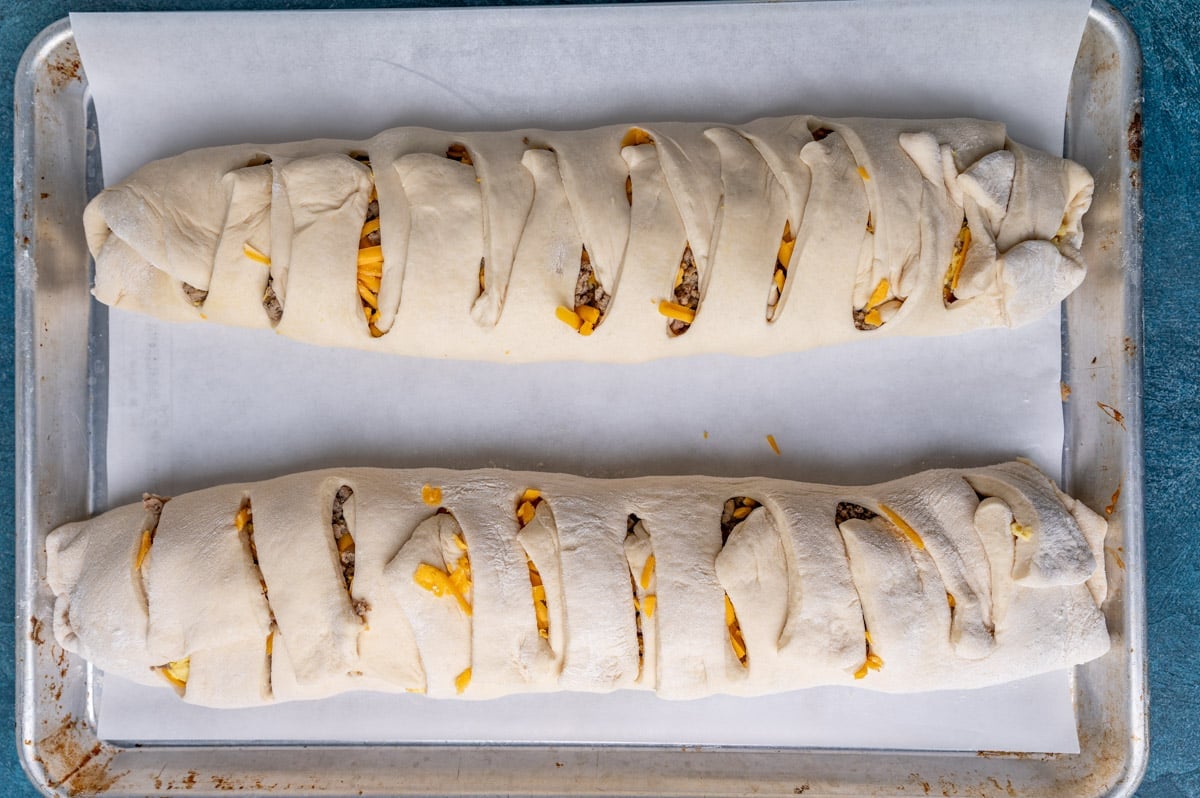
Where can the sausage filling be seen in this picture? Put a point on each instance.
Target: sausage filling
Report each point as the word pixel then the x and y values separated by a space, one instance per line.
pixel 733 513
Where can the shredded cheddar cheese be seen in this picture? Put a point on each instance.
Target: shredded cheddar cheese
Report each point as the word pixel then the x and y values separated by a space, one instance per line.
pixel 177 672
pixel 879 294
pixel 774 446
pixel 588 313
pixel 461 681
pixel 787 246
pixel 440 583
pixel 431 495
pixel 647 573
pixel 873 662
pixel 961 244
pixel 736 641
pixel 568 317
pixel 255 255
pixel 370 268
pixel 143 549
pixel 541 609
pixel 862 172
pixel 1021 530
pixel 527 504
pixel 649 603
pixel 635 136
pixel 678 312
pixel 368 255
pixel 903 526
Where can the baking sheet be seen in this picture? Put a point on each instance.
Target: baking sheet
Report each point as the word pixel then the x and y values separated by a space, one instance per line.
pixel 191 406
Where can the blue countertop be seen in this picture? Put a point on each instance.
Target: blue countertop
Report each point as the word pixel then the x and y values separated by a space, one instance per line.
pixel 1169 31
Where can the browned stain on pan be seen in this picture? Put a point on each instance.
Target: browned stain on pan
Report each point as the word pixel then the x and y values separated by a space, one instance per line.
pixel 1133 137
pixel 66 67
pixel 1112 504
pixel 1112 413
pixel 71 759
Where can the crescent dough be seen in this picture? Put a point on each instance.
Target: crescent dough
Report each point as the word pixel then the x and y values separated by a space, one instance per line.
pixel 485 583
pixel 621 243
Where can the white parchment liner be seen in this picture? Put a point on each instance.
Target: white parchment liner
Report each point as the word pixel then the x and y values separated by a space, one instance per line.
pixel 191 406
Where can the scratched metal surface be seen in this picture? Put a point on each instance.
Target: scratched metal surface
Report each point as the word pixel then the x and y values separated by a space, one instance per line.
pixel 1170 41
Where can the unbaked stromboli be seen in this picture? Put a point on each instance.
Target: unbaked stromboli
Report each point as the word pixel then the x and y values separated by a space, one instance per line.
pixel 621 243
pixel 485 583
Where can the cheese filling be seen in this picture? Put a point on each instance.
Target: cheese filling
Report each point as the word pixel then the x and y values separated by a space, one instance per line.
pixel 950 283
pixel 176 673
pixel 370 260
pixel 844 512
pixel 902 525
pixel 270 301
pixel 733 513
pixel 1019 530
pixel 787 246
pixel 431 495
pixel 455 582
pixel 880 307
pixel 153 504
pixel 591 300
pixel 643 606
pixel 527 505
pixel 243 522
pixel 344 541
pixel 681 309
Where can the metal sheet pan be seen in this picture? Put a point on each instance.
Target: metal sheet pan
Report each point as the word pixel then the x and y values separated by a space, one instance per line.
pixel 61 389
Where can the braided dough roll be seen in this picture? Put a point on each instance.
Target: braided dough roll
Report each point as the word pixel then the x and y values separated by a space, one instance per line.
pixel 648 240
pixel 485 583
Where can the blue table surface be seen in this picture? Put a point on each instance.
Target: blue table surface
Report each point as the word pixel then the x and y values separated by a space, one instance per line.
pixel 1169 31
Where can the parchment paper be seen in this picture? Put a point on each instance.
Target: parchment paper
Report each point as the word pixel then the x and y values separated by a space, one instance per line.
pixel 190 406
